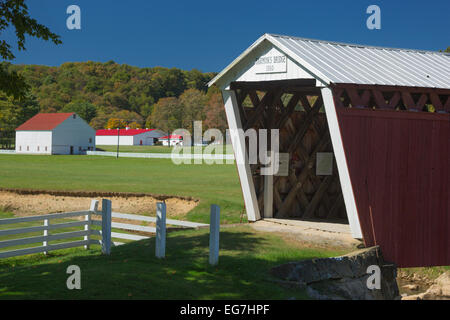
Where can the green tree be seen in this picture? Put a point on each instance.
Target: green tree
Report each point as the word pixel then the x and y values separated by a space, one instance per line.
pixel 193 104
pixel 167 115
pixel 14 13
pixel 84 109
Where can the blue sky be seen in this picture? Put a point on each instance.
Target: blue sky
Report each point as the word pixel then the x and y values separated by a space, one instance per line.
pixel 207 35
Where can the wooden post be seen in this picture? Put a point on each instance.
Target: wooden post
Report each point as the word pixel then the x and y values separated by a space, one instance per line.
pixel 214 229
pixel 268 196
pixel 106 226
pixel 87 218
pixel 241 159
pixel 45 243
pixel 160 248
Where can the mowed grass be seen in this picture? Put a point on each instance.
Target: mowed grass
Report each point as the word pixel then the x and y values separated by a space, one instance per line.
pixel 210 184
pixel 133 272
pixel 221 149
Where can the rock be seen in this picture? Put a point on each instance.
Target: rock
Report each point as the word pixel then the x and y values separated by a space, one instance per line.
pixel 342 277
pixel 411 287
pixel 413 297
pixel 440 290
pixel 443 281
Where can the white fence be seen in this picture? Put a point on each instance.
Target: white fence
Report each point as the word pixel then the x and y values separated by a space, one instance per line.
pixel 46 237
pixel 105 222
pixel 162 155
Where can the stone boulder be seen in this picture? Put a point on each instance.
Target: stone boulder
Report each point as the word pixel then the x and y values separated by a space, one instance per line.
pixel 440 290
pixel 342 277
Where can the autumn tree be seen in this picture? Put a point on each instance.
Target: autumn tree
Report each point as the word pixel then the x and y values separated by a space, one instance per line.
pixel 215 113
pixel 167 115
pixel 192 102
pixel 115 123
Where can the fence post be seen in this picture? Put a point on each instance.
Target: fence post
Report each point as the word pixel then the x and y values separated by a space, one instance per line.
pixel 45 242
pixel 88 225
pixel 214 229
pixel 106 226
pixel 160 248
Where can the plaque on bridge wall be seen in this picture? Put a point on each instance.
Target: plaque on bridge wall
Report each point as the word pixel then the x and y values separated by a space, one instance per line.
pixel 271 62
pixel 324 163
pixel 283 170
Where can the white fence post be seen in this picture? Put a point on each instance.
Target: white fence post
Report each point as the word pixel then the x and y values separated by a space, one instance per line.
pixel 45 243
pixel 88 225
pixel 214 229
pixel 106 226
pixel 160 248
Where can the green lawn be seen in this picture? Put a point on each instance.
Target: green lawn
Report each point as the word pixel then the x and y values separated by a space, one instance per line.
pixel 228 149
pixel 133 272
pixel 218 184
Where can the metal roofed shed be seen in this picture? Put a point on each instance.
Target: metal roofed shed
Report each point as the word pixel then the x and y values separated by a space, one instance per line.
pixel 384 116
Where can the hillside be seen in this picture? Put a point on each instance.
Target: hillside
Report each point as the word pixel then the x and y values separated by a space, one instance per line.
pixel 114 95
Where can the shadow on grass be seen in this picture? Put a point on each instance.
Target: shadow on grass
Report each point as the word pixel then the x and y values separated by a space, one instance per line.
pixel 132 271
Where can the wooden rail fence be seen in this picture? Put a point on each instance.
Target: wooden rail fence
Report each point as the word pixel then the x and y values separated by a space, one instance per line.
pixel 105 223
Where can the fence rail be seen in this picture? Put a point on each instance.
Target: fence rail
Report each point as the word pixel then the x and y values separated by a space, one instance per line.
pixel 105 223
pixel 46 237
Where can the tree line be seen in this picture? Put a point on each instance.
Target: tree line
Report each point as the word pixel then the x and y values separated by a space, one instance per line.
pixel 111 95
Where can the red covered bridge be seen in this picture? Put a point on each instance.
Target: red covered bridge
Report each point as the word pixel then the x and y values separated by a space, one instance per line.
pixel 385 116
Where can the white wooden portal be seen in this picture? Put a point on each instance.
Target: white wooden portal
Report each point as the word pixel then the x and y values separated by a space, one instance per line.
pixel 269 62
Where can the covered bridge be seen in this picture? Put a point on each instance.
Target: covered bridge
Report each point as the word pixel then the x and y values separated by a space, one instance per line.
pixel 367 133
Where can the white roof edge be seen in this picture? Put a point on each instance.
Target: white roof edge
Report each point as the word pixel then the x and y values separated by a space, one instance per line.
pixel 237 60
pixel 318 75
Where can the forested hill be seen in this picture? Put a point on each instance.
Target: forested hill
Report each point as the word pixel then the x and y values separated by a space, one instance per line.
pixel 115 95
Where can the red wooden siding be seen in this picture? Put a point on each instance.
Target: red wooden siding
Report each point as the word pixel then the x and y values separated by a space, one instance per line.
pixel 399 164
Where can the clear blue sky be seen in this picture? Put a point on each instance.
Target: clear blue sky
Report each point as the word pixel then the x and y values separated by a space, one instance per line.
pixel 207 35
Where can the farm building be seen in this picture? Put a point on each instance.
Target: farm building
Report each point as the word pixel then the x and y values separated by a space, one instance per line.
pixel 365 132
pixel 128 137
pixel 173 140
pixel 55 133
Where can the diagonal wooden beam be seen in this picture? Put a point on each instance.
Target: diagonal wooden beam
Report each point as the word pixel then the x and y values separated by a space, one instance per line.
pixel 323 143
pixel 318 195
pixel 259 109
pixel 437 104
pixel 394 100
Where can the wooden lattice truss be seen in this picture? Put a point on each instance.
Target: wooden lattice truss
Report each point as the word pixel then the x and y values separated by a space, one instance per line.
pixel 299 115
pixel 393 98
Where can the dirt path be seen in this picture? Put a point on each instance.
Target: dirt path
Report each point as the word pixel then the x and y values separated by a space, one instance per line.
pixel 35 204
pixel 310 233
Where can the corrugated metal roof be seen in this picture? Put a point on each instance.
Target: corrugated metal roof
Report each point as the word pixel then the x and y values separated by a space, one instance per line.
pixel 44 122
pixel 333 62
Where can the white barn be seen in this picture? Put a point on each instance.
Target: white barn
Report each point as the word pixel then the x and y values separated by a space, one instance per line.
pixel 55 133
pixel 128 137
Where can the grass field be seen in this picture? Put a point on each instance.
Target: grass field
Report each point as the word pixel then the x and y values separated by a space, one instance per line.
pixel 225 149
pixel 132 271
pixel 218 184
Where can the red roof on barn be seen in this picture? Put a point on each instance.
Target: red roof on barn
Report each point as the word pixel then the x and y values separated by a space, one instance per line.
pixel 122 132
pixel 171 137
pixel 44 121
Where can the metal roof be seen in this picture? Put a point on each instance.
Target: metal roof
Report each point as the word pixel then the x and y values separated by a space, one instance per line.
pixel 332 62
pixel 44 122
